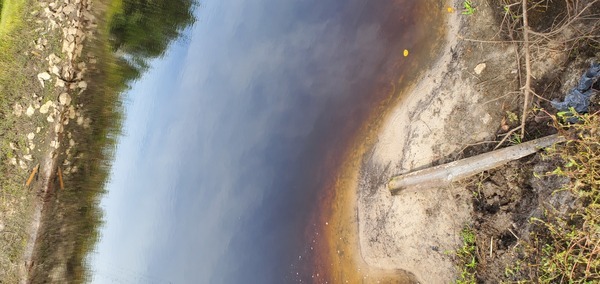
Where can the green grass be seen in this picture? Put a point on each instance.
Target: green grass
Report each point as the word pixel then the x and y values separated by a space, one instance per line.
pixel 467 259
pixel 16 202
pixel 11 15
pixel 72 217
pixel 468 8
pixel 568 245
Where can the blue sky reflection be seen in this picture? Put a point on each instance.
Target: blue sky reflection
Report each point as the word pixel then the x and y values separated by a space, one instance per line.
pixel 227 137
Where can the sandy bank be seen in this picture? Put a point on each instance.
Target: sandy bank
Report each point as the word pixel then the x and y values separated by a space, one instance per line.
pixel 450 107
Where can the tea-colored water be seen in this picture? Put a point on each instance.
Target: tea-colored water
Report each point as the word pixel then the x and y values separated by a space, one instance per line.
pixel 241 143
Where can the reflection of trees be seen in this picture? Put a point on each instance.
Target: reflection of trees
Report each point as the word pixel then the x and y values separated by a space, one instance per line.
pixel 140 31
pixel 143 29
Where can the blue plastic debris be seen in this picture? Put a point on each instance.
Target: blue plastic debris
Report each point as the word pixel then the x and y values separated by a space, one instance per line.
pixel 578 98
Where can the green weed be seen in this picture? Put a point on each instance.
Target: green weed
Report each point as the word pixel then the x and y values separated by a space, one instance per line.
pixel 469 9
pixel 467 260
pixel 568 243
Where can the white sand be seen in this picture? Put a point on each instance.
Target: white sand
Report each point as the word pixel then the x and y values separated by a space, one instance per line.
pixel 414 231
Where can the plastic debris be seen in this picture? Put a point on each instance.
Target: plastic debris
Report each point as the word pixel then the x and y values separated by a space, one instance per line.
pixel 578 98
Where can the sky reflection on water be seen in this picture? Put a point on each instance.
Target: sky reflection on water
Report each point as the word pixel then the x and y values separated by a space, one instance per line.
pixel 231 136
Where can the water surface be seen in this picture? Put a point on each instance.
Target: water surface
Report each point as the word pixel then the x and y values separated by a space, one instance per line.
pixel 233 137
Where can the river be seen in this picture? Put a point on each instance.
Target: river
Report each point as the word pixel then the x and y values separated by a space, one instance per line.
pixel 235 138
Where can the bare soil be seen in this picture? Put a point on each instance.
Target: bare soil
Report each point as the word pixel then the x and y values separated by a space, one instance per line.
pixel 462 107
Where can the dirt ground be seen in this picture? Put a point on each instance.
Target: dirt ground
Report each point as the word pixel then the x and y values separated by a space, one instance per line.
pixel 461 107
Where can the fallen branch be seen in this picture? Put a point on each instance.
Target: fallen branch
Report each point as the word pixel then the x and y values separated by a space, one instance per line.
pixel 446 173
pixel 527 87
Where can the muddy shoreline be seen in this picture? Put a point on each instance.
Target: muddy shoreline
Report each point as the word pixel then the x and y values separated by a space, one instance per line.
pixel 444 112
pixel 455 110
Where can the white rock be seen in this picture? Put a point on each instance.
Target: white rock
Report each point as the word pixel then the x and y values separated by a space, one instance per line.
pixel 28 157
pixel 43 77
pixel 30 136
pixel 50 118
pixel 59 83
pixel 12 146
pixel 82 85
pixel 13 161
pixel 55 70
pixel 80 120
pixel 31 146
pixel 18 109
pixel 45 107
pixel 37 130
pixel 30 110
pixel 479 68
pixel 68 9
pixel 22 164
pixel 58 128
pixel 71 112
pixel 64 99
pixel 71 142
pixel 52 58
pixel 87 122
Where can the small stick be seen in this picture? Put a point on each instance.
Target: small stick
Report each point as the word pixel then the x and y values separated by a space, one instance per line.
pixel 491 245
pixel 33 173
pixel 60 179
pixel 506 136
pixel 513 233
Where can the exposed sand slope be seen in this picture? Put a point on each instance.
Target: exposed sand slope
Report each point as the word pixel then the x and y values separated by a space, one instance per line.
pixel 439 116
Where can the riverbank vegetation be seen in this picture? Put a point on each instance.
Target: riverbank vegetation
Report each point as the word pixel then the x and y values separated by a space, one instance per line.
pixel 116 56
pixel 130 34
pixel 536 219
pixel 16 72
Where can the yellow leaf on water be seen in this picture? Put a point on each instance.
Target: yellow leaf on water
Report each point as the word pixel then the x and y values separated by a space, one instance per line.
pixel 405 52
